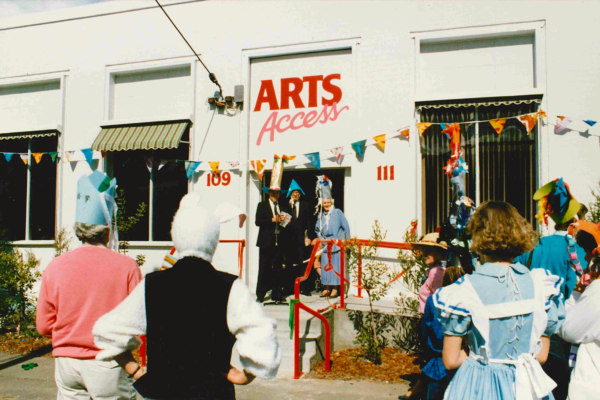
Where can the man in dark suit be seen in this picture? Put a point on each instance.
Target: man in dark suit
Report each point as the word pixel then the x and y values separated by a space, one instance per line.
pixel 299 235
pixel 269 215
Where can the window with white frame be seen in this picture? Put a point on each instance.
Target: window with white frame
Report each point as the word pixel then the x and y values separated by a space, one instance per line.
pixel 470 76
pixel 148 156
pixel 29 117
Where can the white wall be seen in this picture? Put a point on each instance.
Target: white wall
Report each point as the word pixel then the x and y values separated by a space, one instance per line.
pixel 385 82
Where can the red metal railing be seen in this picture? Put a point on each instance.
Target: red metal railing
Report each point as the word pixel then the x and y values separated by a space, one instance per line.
pixel 241 245
pixel 299 305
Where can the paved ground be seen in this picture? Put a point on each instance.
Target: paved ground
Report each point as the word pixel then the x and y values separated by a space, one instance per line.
pixel 38 384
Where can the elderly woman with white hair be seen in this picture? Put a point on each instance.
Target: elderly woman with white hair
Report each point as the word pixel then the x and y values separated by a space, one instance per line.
pixel 221 306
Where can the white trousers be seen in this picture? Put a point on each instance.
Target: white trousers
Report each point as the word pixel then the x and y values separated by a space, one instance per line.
pixel 90 379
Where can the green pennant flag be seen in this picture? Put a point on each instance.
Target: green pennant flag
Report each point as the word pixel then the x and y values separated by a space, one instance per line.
pixel 359 147
pixel 53 156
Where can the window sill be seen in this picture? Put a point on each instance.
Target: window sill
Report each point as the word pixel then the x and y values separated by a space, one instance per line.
pixel 34 243
pixel 157 244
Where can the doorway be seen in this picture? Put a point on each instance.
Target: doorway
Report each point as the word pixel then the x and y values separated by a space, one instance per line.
pixel 307 179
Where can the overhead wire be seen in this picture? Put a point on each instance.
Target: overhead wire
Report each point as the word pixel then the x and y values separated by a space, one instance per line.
pixel 211 76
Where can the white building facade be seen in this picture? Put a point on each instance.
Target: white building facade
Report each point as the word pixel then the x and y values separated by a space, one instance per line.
pixel 316 76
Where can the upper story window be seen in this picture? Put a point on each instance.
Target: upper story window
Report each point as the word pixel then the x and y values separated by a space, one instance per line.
pixel 147 137
pixel 30 117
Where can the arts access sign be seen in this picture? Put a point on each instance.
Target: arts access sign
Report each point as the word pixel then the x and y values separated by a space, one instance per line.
pixel 300 102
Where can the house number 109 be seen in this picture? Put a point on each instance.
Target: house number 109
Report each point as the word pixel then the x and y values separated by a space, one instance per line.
pixel 218 179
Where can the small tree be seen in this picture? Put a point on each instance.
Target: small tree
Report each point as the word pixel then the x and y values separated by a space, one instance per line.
pixel 594 209
pixel 17 277
pixel 125 222
pixel 414 273
pixel 375 276
pixel 62 242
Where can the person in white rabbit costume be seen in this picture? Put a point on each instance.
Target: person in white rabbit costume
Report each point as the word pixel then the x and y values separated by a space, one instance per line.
pixel 192 315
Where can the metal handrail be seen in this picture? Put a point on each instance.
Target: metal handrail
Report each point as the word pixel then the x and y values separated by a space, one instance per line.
pixel 241 245
pixel 299 305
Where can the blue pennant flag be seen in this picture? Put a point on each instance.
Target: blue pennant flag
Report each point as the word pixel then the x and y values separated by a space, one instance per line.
pixel 8 156
pixel 589 122
pixel 359 147
pixel 190 167
pixel 89 155
pixel 315 159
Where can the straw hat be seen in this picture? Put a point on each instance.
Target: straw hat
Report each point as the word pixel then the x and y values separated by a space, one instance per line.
pixel 430 240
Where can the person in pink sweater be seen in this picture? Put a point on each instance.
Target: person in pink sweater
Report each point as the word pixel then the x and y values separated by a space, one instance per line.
pixel 77 289
pixel 435 254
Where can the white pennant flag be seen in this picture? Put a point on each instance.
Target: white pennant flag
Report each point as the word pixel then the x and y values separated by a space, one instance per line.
pixel 337 152
pixel 561 124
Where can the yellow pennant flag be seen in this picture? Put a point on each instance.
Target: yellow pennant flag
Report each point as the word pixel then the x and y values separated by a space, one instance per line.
pixel 422 127
pixel 380 140
pixel 37 157
pixel 404 132
pixel 529 121
pixel 214 165
pixel 259 167
pixel 498 124
pixel 25 158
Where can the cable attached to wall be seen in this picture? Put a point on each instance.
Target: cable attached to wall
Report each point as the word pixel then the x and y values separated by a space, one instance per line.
pixel 211 76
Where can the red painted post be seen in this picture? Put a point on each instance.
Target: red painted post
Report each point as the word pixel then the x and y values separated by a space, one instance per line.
pixel 359 294
pixel 143 350
pixel 343 280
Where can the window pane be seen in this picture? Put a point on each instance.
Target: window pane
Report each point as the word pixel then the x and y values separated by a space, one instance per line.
pixel 42 209
pixel 170 185
pixel 13 189
pixel 508 162
pixel 133 183
pixel 435 151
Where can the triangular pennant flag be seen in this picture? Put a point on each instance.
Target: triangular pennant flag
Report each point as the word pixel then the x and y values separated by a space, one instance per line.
pixel 315 159
pixel 404 132
pixel 542 113
pixel 422 126
pixel 103 153
pixel 69 155
pixel 498 124
pixel 25 158
pixel 561 124
pixel 149 162
pixel 359 147
pixel 162 164
pixel 380 140
pixel 53 156
pixel 37 157
pixel 529 121
pixel 234 164
pixel 589 122
pixel 190 167
pixel 337 152
pixel 8 156
pixel 89 155
pixel 214 165
pixel 259 167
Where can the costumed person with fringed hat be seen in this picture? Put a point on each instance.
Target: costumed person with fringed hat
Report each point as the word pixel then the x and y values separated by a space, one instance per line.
pixel 582 326
pixel 299 237
pixel 331 224
pixel 79 287
pixel 192 362
pixel 560 255
pixel 271 219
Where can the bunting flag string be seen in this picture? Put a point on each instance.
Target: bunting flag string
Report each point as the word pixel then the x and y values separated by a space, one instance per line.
pixel 359 147
pixel 214 166
pixel 259 167
pixel 529 121
pixel 37 157
pixel 25 158
pixel 337 153
pixel 190 167
pixel 498 124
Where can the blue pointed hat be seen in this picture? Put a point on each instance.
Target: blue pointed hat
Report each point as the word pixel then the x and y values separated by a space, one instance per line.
pixel 294 186
pixel 96 199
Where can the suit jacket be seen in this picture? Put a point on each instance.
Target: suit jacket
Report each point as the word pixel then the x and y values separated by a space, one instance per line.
pixel 298 226
pixel 264 220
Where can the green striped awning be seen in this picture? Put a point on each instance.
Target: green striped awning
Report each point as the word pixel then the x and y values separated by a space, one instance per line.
pixel 28 135
pixel 141 137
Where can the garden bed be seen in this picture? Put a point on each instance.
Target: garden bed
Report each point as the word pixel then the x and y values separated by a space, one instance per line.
pixel 396 367
pixel 16 343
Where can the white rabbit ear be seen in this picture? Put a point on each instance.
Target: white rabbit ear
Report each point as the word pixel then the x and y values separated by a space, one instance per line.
pixel 190 200
pixel 226 212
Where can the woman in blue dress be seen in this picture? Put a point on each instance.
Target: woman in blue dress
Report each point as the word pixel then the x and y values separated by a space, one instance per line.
pixel 505 311
pixel 331 224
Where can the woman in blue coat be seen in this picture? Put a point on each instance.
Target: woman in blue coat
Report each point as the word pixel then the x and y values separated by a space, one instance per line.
pixel 331 224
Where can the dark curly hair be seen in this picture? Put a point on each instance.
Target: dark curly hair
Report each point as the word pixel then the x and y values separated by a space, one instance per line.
pixel 498 230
